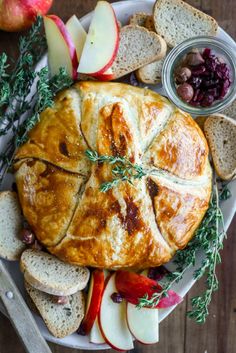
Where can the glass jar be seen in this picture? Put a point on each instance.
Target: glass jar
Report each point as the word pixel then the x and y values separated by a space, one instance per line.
pixel 219 48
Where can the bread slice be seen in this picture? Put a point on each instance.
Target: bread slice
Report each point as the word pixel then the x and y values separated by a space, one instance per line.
pixel 60 319
pixel 220 132
pixel 177 21
pixel 231 110
pixel 150 73
pixel 137 47
pixel 50 275
pixel 11 221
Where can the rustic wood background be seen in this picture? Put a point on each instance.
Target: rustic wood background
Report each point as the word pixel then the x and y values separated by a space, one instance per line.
pixel 178 334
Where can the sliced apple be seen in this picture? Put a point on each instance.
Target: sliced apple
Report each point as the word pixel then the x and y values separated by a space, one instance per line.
pixel 95 334
pixel 77 34
pixel 112 319
pixel 96 288
pixel 133 286
pixel 102 41
pixel 143 324
pixel 61 50
pixel 106 76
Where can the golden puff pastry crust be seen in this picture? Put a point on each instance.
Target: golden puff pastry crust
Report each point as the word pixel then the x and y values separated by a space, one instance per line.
pixel 129 226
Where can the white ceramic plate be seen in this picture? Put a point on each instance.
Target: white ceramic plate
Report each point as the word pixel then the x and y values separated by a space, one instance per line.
pixel 123 10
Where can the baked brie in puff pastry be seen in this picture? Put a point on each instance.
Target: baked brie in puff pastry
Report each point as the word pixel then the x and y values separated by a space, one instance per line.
pixel 129 226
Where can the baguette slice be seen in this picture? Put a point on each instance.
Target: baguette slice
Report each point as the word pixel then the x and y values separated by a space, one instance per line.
pixel 220 132
pixel 60 319
pixel 47 273
pixel 150 73
pixel 11 247
pixel 177 21
pixel 137 47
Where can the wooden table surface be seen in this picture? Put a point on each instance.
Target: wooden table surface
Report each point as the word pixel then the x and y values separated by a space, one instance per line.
pixel 178 334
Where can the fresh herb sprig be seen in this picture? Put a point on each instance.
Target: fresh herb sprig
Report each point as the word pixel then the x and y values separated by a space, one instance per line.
pixel 18 111
pixel 209 240
pixel 123 169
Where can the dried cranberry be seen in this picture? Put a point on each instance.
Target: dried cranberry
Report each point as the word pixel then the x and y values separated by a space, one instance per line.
pixel 195 82
pixel 207 100
pixel 116 297
pixel 195 104
pixel 198 70
pixel 225 88
pixel 196 93
pixel 27 236
pixel 222 71
pixel 206 53
pixel 215 92
pixel 210 83
pixel 211 63
pixel 200 96
pixel 185 92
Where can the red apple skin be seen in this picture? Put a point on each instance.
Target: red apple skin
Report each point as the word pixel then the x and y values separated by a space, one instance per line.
pixel 62 28
pixel 94 305
pixel 134 286
pixel 18 15
pixel 104 77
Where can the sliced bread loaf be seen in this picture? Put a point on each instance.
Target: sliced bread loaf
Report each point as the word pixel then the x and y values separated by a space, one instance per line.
pixel 60 319
pixel 11 221
pixel 137 47
pixel 139 18
pixel 220 132
pixel 176 21
pixel 50 275
pixel 150 73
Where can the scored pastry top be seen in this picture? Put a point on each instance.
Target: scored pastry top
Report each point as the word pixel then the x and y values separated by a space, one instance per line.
pixel 129 226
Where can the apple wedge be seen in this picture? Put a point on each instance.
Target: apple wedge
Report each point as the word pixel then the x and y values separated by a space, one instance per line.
pixel 143 324
pixel 102 41
pixel 133 286
pixel 77 34
pixel 96 288
pixel 95 335
pixel 112 319
pixel 61 50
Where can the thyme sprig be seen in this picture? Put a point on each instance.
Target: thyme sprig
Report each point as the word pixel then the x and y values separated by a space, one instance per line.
pixel 208 240
pixel 123 169
pixel 19 110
